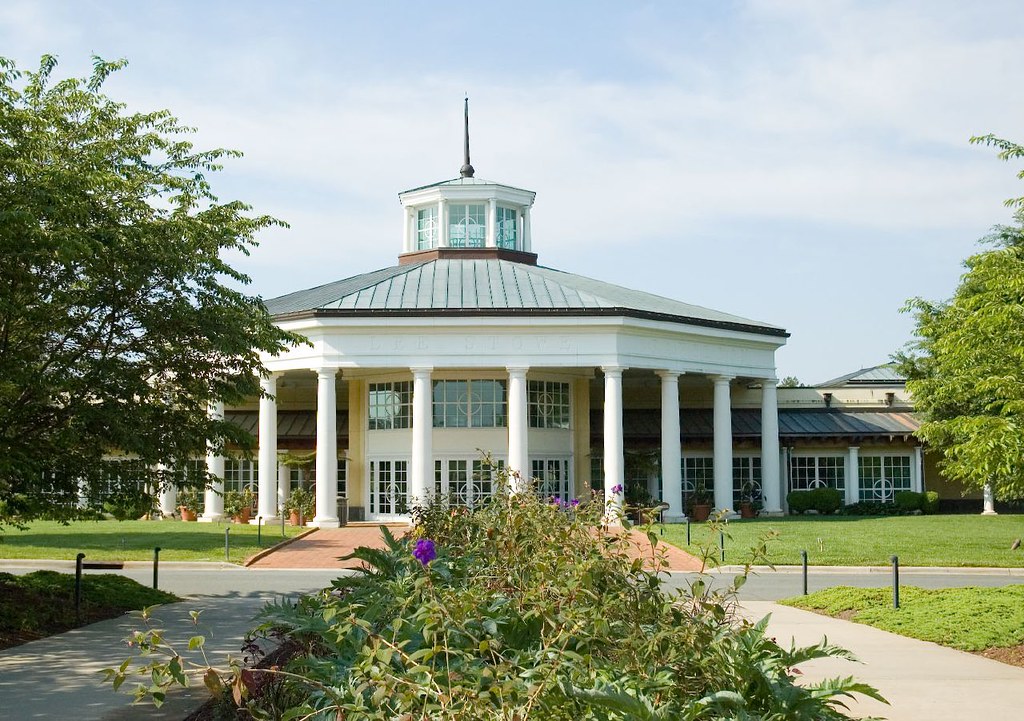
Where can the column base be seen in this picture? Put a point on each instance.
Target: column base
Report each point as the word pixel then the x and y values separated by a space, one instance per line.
pixel 674 518
pixel 989 513
pixel 266 520
pixel 325 523
pixel 211 518
pixel 772 514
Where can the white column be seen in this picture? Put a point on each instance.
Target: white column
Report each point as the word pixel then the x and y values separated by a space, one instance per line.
pixel 168 498
pixel 518 430
pixel 671 450
pixel 723 443
pixel 326 449
pixel 614 460
pixel 917 478
pixel 989 501
pixel 213 501
pixel 492 224
pixel 267 478
pixel 442 224
pixel 527 241
pixel 853 480
pixel 422 472
pixel 771 479
pixel 284 486
pixel 408 232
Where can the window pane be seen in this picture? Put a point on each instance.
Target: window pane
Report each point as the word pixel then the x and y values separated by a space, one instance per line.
pixel 467 225
pixel 426 229
pixel 506 229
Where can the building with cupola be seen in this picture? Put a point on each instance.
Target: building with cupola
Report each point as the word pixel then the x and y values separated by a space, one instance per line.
pixel 469 354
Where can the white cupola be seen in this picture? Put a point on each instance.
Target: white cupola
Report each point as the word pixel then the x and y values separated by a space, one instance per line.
pixel 466 217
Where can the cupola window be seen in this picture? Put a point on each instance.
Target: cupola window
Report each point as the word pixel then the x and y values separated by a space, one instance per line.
pixel 506 228
pixel 467 225
pixel 426 228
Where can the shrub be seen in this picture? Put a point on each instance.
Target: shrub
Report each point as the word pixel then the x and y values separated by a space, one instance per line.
pixel 930 504
pixel 522 608
pixel 870 508
pixel 826 500
pixel 129 504
pixel 909 501
pixel 799 501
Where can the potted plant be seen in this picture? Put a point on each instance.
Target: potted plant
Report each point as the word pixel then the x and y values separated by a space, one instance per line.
pixel 190 502
pixel 300 506
pixel 238 504
pixel 750 501
pixel 700 503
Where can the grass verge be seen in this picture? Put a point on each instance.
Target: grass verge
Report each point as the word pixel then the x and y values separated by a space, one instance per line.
pixel 952 541
pixel 42 603
pixel 981 620
pixel 135 540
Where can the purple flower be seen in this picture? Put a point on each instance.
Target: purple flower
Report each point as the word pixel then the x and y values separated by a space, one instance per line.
pixel 574 502
pixel 617 488
pixel 557 502
pixel 424 551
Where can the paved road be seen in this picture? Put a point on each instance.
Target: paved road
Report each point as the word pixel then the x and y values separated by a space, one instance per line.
pixel 202 579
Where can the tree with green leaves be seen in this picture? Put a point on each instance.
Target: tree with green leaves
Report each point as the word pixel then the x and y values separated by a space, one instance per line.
pixel 966 367
pixel 118 320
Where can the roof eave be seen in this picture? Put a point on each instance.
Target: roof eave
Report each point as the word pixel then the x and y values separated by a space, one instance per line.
pixel 530 312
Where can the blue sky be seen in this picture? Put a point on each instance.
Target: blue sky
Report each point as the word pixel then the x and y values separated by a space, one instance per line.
pixel 803 163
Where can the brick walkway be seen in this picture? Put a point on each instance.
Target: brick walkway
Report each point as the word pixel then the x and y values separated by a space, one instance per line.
pixel 323 547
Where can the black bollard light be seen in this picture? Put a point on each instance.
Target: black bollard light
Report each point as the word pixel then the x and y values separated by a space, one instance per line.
pixel 895 582
pixel 282 524
pixel 259 531
pixel 227 545
pixel 721 544
pixel 687 530
pixel 803 558
pixel 156 566
pixel 78 587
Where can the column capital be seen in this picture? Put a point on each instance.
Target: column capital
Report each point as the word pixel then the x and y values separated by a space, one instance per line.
pixel 854 448
pixel 421 371
pixel 326 371
pixel 669 375
pixel 613 370
pixel 770 381
pixel 722 378
pixel 517 370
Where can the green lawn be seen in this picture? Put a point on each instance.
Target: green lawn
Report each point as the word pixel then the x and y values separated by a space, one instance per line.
pixel 962 540
pixel 135 540
pixel 970 619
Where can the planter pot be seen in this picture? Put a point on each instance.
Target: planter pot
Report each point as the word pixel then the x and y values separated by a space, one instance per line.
pixel 293 518
pixel 701 511
pixel 242 517
pixel 187 515
pixel 747 510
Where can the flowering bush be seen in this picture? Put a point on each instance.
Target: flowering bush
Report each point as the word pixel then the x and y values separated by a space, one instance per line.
pixel 520 610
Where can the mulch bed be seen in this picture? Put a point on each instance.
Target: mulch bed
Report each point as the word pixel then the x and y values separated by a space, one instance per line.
pixel 1013 655
pixel 58 619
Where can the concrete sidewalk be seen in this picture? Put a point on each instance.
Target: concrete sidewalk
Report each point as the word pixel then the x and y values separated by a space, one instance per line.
pixel 58 677
pixel 921 680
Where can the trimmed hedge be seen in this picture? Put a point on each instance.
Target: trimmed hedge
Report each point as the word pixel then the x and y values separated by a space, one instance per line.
pixel 909 501
pixel 823 500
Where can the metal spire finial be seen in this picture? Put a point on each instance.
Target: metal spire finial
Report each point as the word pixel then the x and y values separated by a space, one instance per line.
pixel 466 171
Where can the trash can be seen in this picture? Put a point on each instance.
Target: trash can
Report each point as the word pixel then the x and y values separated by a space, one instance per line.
pixel 343 510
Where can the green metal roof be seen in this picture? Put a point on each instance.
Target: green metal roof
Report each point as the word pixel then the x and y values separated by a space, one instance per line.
pixel 882 375
pixel 493 287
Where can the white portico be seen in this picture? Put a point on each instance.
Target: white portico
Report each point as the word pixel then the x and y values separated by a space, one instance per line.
pixel 468 346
